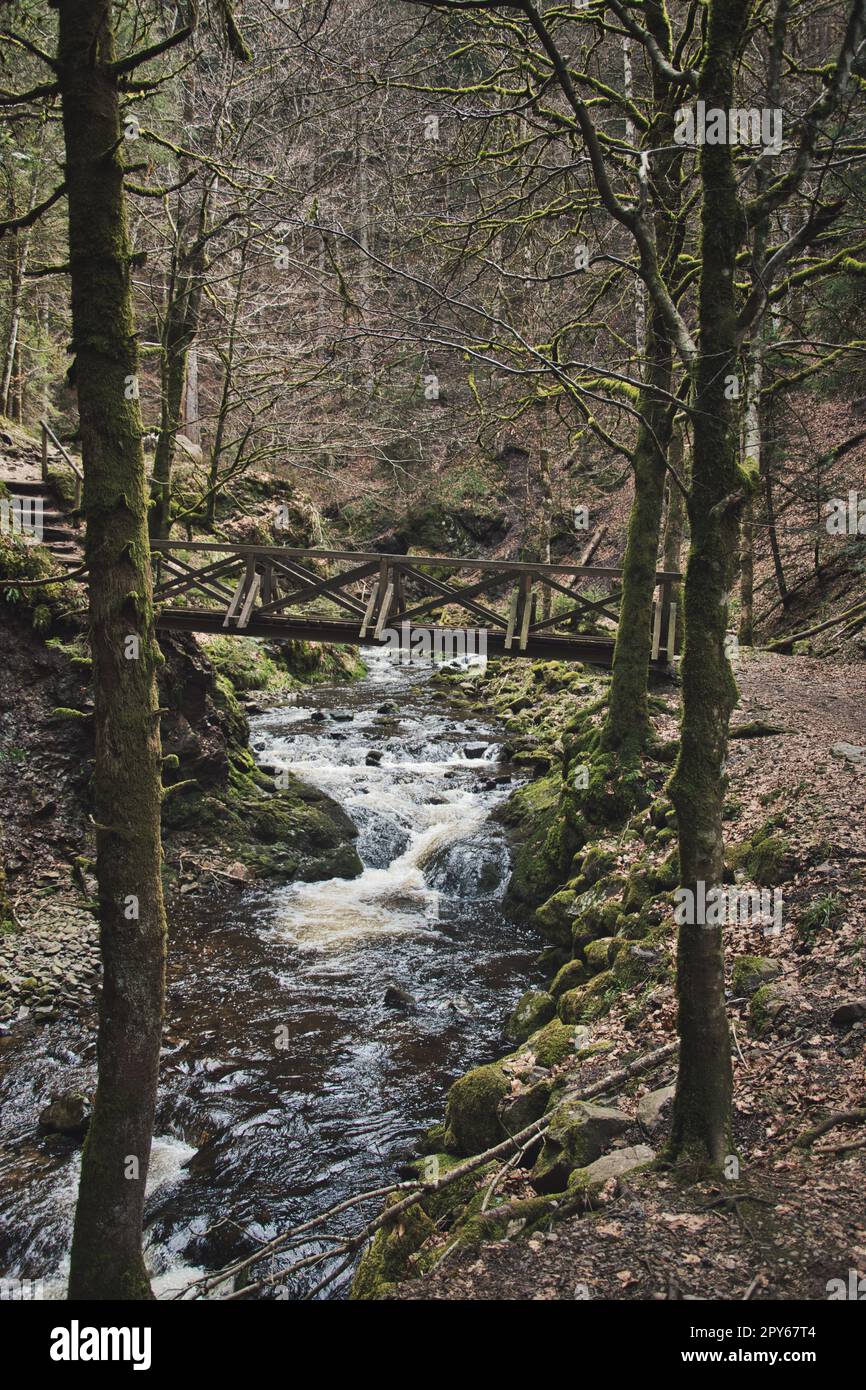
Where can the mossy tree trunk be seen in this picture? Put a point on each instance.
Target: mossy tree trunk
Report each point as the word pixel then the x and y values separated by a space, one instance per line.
pixel 107 1259
pixel 626 726
pixel 675 505
pixel 702 1106
pixel 675 519
pixel 752 456
pixel 768 445
pixel 183 310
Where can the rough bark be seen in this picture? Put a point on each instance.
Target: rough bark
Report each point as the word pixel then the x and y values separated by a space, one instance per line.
pixel 182 315
pixel 627 724
pixel 675 521
pixel 752 453
pixel 702 1105
pixel 107 1259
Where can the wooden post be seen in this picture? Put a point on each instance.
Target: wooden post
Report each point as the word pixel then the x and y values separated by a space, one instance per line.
pixel 526 614
pixel 252 581
pixel 665 606
pixel 386 591
pixel 370 609
pixel 399 589
pixel 672 632
pixel 513 610
pixel 656 630
pixel 45 453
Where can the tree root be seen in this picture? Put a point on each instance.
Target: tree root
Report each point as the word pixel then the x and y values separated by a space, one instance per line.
pixel 729 1203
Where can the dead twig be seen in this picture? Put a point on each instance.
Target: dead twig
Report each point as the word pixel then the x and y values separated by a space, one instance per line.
pixel 841 1117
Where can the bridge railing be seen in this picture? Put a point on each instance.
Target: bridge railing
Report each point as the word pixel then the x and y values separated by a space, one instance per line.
pixel 367 594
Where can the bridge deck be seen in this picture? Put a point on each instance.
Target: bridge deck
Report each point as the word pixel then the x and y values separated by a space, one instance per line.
pixel 596 650
pixel 512 608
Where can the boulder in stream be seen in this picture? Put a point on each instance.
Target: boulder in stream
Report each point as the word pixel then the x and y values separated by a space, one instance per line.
pixel 396 997
pixel 66 1114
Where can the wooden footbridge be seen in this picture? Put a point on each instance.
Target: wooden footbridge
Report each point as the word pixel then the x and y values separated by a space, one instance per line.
pixel 523 609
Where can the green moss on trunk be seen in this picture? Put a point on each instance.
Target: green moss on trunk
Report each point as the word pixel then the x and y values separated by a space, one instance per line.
pixel 702 1107
pixel 627 724
pixel 107 1259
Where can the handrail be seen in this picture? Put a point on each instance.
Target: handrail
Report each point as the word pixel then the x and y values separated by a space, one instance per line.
pixel 396 560
pixel 79 476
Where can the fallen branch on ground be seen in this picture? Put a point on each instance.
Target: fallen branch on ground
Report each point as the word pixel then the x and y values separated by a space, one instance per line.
pixel 418 1191
pixel 781 643
pixel 841 1117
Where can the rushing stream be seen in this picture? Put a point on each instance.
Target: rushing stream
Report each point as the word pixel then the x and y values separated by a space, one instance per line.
pixel 296 1072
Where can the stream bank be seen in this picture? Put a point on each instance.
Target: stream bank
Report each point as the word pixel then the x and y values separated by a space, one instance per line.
pixel 586 1210
pixel 312 1026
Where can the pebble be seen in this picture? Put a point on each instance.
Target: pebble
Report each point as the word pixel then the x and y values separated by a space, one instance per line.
pixel 50 967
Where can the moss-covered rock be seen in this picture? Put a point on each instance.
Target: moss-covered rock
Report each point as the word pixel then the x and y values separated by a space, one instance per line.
pixel 773 1007
pixel 532 1010
pixel 595 864
pixel 556 1042
pixel 524 1106
pixel 636 963
pixel 542 861
pixel 555 917
pixel 596 912
pixel 530 801
pixel 654 1108
pixel 599 954
pixel 275 826
pixel 446 1201
pixel 472 1121
pixel 588 1001
pixel 765 859
pixel 579 1132
pixel 549 842
pixel 647 881
pixel 751 972
pixel 432 1140
pixel 587 1183
pixel 572 974
pixel 505 1221
pixel 387 1260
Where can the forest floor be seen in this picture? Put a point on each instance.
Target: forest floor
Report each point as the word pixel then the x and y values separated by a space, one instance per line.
pixel 798 1222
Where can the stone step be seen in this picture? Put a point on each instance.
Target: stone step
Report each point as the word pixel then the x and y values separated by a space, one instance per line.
pixel 58 533
pixel 28 486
